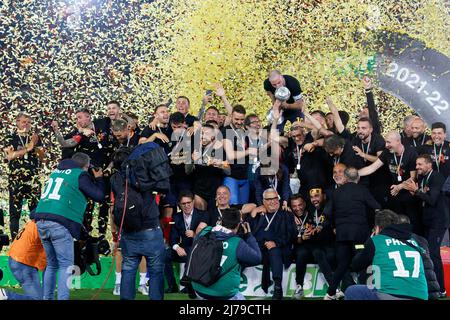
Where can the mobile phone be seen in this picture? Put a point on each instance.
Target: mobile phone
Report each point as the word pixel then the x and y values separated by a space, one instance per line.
pixel 209 92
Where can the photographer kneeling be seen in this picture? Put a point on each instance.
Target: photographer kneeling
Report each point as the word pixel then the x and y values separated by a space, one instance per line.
pixel 237 253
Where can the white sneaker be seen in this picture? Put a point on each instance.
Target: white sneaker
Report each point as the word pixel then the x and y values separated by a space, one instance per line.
pixel 3 295
pixel 328 297
pixel 339 295
pixel 143 289
pixel 116 290
pixel 299 294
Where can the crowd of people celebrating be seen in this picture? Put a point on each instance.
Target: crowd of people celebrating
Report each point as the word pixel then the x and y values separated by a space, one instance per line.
pixel 309 192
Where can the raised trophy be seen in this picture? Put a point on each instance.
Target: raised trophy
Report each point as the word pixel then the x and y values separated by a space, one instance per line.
pixel 282 94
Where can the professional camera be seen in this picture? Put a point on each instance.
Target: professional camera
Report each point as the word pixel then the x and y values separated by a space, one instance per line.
pixel 87 253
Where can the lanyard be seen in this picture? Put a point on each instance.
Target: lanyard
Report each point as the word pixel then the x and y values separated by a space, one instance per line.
pixel 269 222
pixel 239 140
pixel 368 147
pixel 129 138
pixel 336 160
pixel 398 164
pixel 180 138
pixel 299 156
pixel 424 182
pixel 423 140
pixel 99 145
pixel 436 156
pixel 220 212
pixel 23 144
pixel 273 182
pixel 21 141
pixel 187 225
pixel 316 218
pixel 303 222
pixel 208 147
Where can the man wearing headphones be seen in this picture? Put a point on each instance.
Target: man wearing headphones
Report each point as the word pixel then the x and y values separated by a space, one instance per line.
pixel 274 230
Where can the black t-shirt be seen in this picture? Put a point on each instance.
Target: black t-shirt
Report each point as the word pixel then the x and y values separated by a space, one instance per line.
pixel 214 214
pixel 25 167
pixel 104 132
pixel 167 146
pixel 92 146
pixel 132 142
pixel 190 119
pixel 312 168
pixel 400 166
pixel 347 135
pixel 440 156
pixel 348 157
pixel 239 167
pixel 375 145
pixel 208 178
pixel 417 142
pixel 294 87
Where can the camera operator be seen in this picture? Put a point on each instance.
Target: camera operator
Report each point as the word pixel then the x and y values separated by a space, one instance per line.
pixel 59 217
pixel 238 252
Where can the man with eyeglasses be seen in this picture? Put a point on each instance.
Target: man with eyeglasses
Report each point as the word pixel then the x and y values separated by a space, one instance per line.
pixel 275 231
pixel 222 201
pixel 182 233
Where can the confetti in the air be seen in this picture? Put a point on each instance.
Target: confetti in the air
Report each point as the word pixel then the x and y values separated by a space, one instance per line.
pixel 57 56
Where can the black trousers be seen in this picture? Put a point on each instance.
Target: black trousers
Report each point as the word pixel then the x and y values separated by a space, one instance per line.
pixel 19 191
pixel 345 251
pixel 103 213
pixel 271 260
pixel 434 237
pixel 313 253
pixel 412 209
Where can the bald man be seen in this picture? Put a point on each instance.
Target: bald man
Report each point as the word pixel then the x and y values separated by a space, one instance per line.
pixel 418 137
pixel 292 108
pixel 401 163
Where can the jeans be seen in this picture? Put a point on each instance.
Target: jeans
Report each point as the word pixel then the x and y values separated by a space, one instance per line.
pixel 360 292
pixel 58 246
pixel 28 278
pixel 240 190
pixel 135 245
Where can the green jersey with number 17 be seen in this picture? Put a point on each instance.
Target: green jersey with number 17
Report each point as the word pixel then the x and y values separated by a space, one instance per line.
pixel 62 196
pixel 400 268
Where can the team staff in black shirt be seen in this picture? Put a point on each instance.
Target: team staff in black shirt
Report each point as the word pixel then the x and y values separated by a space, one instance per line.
pixel 401 163
pixel 438 148
pixel 292 108
pixel 435 209
pixel 24 153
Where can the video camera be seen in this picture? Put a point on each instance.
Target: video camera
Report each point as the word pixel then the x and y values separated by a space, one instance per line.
pixel 87 253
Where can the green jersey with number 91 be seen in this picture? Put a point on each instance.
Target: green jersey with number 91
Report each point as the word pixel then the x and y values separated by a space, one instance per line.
pixel 62 196
pixel 399 267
